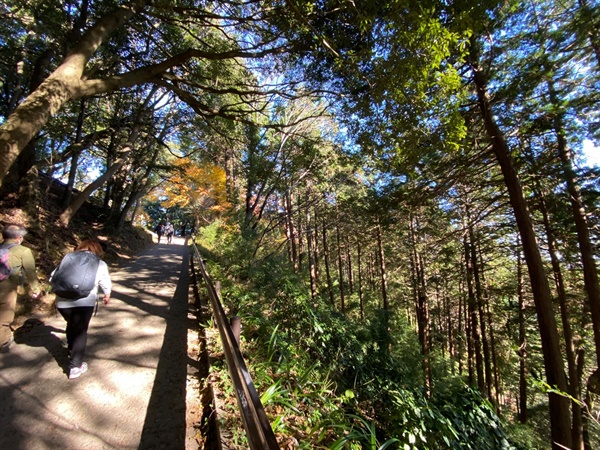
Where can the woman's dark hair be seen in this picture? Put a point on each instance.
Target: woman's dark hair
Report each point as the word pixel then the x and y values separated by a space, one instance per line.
pixel 91 245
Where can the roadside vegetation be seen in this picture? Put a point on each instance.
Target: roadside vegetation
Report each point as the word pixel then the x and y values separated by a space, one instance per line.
pixel 328 380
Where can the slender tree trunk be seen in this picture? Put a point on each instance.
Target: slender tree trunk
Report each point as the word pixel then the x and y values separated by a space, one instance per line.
pixel 349 265
pixel 574 379
pixel 371 270
pixel 522 340
pixel 29 195
pixel 485 345
pixel 69 212
pixel 311 259
pixel 340 268
pixel 439 330
pixel 75 158
pixel 288 235
pixel 449 329
pixel 291 229
pixel 136 194
pixel 560 420
pixel 327 265
pixel 300 234
pixel 461 331
pixel 231 176
pixel 316 255
pixel 492 339
pixel 422 308
pixel 382 269
pixel 360 281
pixel 137 191
pixel 475 340
pixel 496 374
pixel 586 248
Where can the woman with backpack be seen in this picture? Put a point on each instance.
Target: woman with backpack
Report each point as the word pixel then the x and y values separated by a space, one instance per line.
pixel 75 282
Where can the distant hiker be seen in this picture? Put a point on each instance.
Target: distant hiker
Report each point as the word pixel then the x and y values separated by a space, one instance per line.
pixel 76 307
pixel 182 230
pixel 169 231
pixel 159 230
pixel 19 265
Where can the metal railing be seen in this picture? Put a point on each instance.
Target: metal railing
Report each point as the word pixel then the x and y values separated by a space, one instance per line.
pixel 258 429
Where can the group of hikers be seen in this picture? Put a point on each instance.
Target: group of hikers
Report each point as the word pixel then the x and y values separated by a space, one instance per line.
pixel 168 230
pixel 75 282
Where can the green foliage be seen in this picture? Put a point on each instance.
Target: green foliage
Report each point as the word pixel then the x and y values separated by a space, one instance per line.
pixel 525 438
pixel 336 382
pixel 364 433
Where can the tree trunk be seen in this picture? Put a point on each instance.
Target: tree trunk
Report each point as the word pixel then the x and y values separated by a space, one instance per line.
pixel 560 421
pixel 360 281
pixel 522 340
pixel 449 329
pixel 69 212
pixel 574 379
pixel 311 259
pixel 61 86
pixel 349 266
pixel 316 255
pixel 485 344
pixel 422 309
pixel 475 336
pixel 340 268
pixel 492 339
pixel 460 333
pixel 382 269
pixel 327 265
pixel 75 158
pixel 300 233
pixel 586 248
pixel 291 229
pixel 138 189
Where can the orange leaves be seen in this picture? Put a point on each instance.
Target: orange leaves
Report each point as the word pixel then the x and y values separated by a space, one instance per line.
pixel 200 188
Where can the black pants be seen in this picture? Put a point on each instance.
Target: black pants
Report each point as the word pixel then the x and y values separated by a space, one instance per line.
pixel 78 321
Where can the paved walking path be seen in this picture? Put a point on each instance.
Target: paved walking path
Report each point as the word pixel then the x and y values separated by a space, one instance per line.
pixel 134 393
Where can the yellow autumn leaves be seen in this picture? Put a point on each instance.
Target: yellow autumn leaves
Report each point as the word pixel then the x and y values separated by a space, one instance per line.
pixel 201 189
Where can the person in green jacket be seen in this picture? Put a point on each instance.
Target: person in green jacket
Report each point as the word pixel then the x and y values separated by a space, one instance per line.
pixel 22 263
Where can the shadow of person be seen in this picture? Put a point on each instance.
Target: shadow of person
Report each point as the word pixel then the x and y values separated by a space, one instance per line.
pixel 35 333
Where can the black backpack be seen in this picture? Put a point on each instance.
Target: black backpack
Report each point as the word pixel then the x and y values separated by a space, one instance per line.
pixel 75 276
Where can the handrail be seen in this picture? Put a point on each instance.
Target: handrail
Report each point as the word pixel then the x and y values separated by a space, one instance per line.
pixel 257 426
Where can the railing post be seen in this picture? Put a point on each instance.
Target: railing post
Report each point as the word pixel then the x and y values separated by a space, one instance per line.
pixel 235 323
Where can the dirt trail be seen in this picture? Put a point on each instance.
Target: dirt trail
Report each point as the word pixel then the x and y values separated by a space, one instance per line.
pixel 134 393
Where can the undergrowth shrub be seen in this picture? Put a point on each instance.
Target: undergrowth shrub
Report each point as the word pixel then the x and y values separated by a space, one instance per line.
pixel 337 383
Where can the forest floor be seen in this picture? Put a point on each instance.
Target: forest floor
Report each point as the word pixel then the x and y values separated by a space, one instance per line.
pixel 141 387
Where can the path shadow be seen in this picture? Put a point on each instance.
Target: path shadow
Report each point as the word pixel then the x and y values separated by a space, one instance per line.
pixel 35 333
pixel 165 422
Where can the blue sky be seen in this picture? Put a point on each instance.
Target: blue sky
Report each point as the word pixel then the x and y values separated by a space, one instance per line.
pixel 592 153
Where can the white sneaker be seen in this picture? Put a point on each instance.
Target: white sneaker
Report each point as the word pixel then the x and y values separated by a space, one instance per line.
pixel 76 372
pixel 4 348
